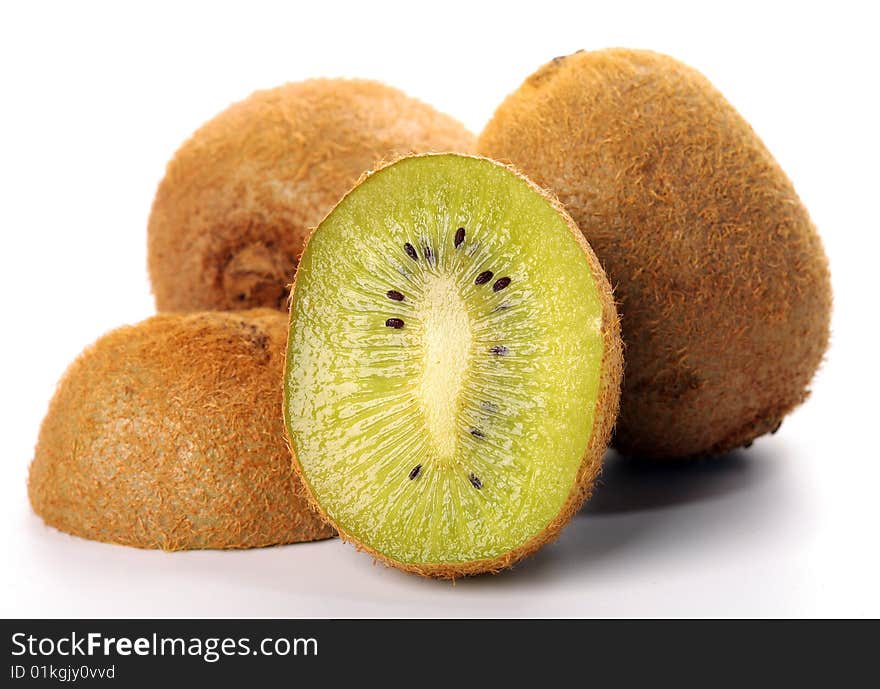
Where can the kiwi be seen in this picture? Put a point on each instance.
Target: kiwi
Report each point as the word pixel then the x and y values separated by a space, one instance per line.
pixel 453 366
pixel 722 281
pixel 168 434
pixel 238 199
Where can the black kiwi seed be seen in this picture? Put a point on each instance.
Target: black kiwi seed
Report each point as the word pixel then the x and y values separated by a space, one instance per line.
pixel 415 471
pixel 411 251
pixel 483 277
pixel 500 350
pixel 477 433
pixel 475 481
pixel 459 237
pixel 429 255
pixel 394 295
pixel 395 323
pixel 500 284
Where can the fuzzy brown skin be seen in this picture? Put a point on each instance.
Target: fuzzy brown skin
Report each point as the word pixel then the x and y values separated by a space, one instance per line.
pixel 238 199
pixel 605 415
pixel 722 280
pixel 167 435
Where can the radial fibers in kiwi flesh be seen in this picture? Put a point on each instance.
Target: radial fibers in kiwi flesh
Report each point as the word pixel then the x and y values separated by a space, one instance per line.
pixel 453 366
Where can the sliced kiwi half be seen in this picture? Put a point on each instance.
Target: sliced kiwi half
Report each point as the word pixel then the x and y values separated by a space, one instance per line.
pixel 453 366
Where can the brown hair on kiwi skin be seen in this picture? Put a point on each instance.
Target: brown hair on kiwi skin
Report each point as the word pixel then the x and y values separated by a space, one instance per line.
pixel 605 416
pixel 238 199
pixel 167 434
pixel 723 284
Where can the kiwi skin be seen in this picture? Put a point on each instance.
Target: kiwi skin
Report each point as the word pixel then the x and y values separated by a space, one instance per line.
pixel 605 415
pixel 723 284
pixel 167 434
pixel 238 199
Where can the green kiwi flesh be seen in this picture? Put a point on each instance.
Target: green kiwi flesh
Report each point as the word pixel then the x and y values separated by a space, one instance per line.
pixel 452 367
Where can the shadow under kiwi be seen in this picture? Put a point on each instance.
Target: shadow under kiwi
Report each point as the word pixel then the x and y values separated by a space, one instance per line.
pixel 636 502
pixel 633 484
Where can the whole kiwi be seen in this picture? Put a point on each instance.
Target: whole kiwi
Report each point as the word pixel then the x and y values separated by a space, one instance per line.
pixel 238 199
pixel 722 280
pixel 168 434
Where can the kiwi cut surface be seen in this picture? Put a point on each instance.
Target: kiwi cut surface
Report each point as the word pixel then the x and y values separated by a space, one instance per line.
pixel 167 434
pixel 238 199
pixel 722 280
pixel 453 366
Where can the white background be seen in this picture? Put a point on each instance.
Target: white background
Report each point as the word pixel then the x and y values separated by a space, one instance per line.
pixel 95 98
